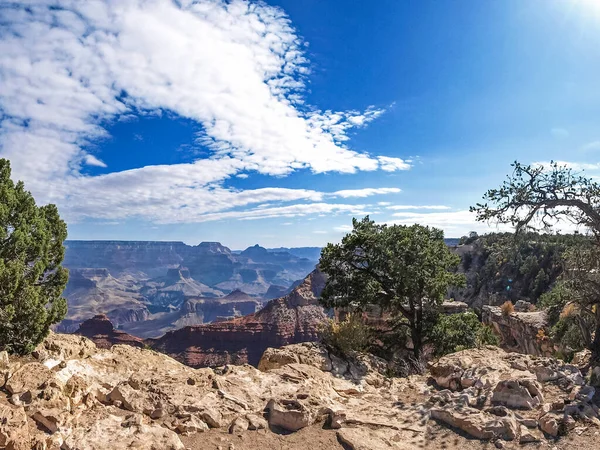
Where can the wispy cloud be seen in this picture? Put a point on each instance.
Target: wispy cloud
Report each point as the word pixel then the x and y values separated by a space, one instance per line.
pixel 402 207
pixel 343 228
pixel 66 71
pixel 366 192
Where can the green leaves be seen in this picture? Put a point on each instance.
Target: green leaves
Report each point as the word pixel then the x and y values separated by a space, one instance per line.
pixel 31 276
pixel 403 269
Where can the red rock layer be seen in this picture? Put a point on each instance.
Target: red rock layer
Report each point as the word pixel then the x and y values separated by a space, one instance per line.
pixel 100 330
pixel 293 318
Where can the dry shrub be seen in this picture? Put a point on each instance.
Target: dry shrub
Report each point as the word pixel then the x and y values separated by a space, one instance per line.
pixel 569 310
pixel 507 308
pixel 350 334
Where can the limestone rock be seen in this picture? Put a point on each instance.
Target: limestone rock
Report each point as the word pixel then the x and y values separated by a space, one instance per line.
pixel 529 435
pixel 518 394
pixel 28 377
pixel 308 353
pixel 14 433
pixel 256 422
pixel 238 425
pixel 518 331
pixel 100 431
pixel 477 423
pixel 290 415
pixel 549 423
pixel 582 359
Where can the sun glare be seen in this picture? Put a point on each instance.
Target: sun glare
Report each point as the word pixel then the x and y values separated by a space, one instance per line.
pixel 590 5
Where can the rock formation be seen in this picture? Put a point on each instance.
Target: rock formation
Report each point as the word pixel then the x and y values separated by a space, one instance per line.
pixel 520 331
pixel 136 282
pixel 102 332
pixel 72 395
pixel 287 320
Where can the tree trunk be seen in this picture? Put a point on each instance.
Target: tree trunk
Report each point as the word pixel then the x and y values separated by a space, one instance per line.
pixel 596 342
pixel 417 341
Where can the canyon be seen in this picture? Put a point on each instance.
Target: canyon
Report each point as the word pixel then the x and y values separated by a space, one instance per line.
pixel 148 288
pixel 293 318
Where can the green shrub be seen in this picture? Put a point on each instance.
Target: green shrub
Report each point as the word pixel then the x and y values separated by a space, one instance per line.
pixel 350 334
pixel 457 332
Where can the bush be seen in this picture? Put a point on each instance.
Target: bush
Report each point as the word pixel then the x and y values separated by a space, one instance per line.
pixel 31 276
pixel 457 332
pixel 507 308
pixel 350 334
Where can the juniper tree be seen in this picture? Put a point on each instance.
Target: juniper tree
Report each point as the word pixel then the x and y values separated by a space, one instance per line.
pixel 405 270
pixel 31 276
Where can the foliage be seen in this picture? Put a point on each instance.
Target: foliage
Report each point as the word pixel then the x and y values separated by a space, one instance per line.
pixel 505 266
pixel 457 332
pixel 405 270
pixel 467 240
pixel 537 197
pixel 31 276
pixel 350 334
pixel 507 308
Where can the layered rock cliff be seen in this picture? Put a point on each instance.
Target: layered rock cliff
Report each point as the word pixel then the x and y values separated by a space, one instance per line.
pixel 523 332
pixel 156 282
pixel 293 318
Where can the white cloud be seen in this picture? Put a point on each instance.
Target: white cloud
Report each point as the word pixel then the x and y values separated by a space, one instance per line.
pixel 392 164
pixel 343 228
pixel 299 210
pixel 320 232
pixel 91 160
pixel 402 207
pixel 459 223
pixel 384 203
pixel 366 192
pixel 237 68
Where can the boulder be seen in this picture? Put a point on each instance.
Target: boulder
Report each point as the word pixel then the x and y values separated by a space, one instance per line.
pixel 309 353
pixel 529 435
pixel 549 423
pixel 290 415
pixel 14 432
pixel 477 423
pixel 256 422
pixel 519 331
pixel 239 425
pixel 525 394
pixel 100 430
pixel 28 377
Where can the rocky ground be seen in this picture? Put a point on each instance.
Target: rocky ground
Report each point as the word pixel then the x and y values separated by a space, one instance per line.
pixel 71 395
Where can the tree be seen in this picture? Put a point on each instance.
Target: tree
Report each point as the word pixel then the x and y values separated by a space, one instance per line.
pixel 538 197
pixel 31 276
pixel 456 332
pixel 405 270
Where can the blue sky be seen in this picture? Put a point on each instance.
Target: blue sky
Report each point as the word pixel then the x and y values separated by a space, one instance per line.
pixel 277 122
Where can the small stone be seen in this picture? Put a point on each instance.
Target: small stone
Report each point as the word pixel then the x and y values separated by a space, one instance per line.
pixel 238 425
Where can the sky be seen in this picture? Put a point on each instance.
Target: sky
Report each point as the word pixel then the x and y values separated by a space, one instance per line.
pixel 277 122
